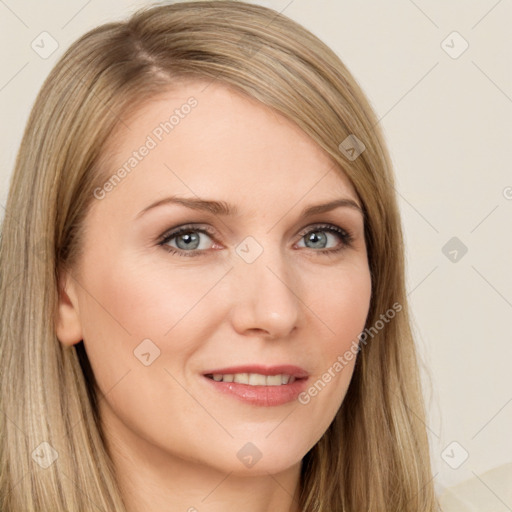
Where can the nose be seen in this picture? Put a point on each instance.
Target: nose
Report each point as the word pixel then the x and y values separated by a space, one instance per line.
pixel 266 301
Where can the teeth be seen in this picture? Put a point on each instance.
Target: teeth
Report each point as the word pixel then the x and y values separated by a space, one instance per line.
pixel 276 380
pixel 241 378
pixel 254 379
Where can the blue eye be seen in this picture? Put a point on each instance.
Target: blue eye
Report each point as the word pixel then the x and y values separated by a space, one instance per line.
pixel 312 236
pixel 188 239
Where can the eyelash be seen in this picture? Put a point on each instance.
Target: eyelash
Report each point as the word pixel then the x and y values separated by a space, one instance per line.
pixel 345 236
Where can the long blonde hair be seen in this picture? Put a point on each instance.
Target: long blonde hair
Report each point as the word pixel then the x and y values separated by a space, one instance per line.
pixel 375 454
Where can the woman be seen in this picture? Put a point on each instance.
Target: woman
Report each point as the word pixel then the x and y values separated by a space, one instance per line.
pixel 203 301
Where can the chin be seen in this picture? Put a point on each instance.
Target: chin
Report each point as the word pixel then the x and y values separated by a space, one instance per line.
pixel 266 465
pixel 264 456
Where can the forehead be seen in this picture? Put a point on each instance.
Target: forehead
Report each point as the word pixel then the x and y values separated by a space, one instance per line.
pixel 210 140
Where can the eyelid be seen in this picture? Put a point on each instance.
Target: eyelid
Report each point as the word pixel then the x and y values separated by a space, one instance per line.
pixel 344 234
pixel 211 231
pixel 186 227
pixel 323 225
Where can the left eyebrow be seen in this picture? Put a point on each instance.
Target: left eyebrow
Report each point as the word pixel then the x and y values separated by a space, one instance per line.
pixel 223 208
pixel 331 205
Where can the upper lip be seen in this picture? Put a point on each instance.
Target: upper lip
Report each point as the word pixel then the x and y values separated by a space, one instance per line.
pixel 282 369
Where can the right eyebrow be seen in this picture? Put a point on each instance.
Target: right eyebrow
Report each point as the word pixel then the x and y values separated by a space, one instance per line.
pixel 214 207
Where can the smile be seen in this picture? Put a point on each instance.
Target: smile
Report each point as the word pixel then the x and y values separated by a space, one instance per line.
pixel 253 379
pixel 257 384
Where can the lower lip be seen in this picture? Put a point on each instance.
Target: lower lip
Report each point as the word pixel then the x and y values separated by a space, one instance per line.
pixel 267 396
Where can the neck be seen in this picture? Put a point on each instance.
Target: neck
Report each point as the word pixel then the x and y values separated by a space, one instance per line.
pixel 153 479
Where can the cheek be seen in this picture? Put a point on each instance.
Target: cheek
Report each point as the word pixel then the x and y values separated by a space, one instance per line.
pixel 340 301
pixel 341 307
pixel 162 294
pixel 128 303
pixel 150 299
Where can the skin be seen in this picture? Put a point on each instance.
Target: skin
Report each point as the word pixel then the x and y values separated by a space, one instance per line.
pixel 173 439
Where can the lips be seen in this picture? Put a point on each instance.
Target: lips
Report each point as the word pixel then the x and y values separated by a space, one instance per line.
pixel 259 385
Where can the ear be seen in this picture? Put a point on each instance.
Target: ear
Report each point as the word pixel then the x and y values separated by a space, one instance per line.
pixel 68 327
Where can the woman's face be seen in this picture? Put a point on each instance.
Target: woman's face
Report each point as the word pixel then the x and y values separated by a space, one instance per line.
pixel 207 344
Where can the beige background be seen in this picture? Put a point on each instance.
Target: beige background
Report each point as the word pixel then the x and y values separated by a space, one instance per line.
pixel 448 122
